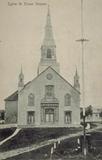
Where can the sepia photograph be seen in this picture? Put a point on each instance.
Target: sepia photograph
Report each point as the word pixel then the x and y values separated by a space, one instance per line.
pixel 51 80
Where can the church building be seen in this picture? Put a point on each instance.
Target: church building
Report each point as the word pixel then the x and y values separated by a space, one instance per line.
pixel 48 100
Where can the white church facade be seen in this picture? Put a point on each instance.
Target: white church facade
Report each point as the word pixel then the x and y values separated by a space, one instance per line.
pixel 48 100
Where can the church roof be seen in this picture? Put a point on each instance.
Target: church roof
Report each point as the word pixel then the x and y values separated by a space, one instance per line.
pixel 66 81
pixel 14 96
pixel 58 75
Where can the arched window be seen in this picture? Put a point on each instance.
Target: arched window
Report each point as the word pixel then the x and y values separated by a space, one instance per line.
pixel 31 99
pixel 49 53
pixel 49 91
pixel 67 100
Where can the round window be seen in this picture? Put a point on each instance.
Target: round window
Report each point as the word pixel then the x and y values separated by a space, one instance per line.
pixel 49 76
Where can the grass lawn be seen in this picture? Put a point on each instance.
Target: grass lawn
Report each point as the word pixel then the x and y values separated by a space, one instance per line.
pixel 65 151
pixel 4 133
pixel 44 153
pixel 96 140
pixel 30 136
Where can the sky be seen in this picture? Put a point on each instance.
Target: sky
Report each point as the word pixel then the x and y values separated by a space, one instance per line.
pixel 21 36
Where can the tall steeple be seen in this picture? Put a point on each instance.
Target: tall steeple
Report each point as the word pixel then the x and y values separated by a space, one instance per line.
pixel 48 39
pixel 76 81
pixel 21 80
pixel 48 48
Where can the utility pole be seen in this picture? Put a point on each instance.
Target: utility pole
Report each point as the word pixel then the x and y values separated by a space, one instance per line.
pixel 82 41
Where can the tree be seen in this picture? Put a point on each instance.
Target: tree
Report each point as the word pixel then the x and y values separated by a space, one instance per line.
pixel 89 111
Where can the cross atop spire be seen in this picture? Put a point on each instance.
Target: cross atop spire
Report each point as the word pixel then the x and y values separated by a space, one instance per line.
pixel 48 38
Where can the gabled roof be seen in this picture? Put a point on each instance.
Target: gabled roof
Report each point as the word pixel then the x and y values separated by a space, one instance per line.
pixel 14 96
pixel 66 81
pixel 58 75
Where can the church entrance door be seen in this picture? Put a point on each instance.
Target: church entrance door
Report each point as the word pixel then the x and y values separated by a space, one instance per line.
pixel 49 115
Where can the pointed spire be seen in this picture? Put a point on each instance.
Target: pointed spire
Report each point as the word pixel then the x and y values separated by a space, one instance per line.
pixel 48 48
pixel 48 39
pixel 76 74
pixel 76 80
pixel 21 80
pixel 48 20
pixel 21 75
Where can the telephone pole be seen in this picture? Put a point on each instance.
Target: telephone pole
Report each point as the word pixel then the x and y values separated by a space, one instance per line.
pixel 82 41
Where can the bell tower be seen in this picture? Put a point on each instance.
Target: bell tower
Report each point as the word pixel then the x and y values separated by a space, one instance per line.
pixel 48 48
